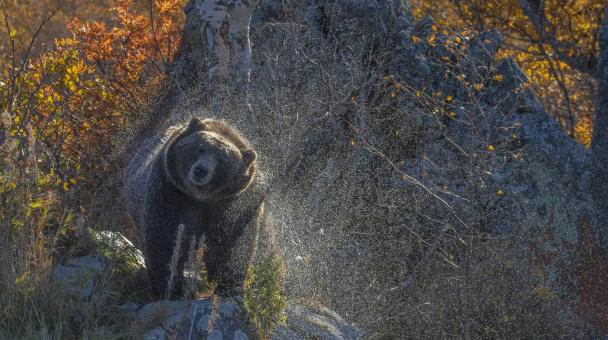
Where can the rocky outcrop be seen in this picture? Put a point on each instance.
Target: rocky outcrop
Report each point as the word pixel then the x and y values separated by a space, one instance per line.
pixel 227 320
pixel 383 136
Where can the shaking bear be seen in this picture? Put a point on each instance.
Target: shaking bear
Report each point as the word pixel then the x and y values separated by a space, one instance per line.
pixel 203 175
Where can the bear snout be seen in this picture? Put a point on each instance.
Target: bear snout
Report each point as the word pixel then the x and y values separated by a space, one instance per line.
pixel 200 173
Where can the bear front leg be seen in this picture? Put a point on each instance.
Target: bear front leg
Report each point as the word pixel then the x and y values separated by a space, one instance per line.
pixel 228 263
pixel 158 252
pixel 228 269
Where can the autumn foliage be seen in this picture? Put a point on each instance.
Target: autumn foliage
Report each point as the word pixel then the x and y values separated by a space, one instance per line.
pixel 558 56
pixel 61 109
pixel 72 98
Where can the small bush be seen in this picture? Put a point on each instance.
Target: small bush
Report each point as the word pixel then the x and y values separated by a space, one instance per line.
pixel 264 296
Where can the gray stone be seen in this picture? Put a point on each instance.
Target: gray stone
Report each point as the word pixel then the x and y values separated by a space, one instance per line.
pixel 119 243
pixel 129 307
pixel 238 335
pixel 323 324
pixel 74 280
pixel 95 263
pixel 203 323
pixel 78 275
pixel 232 322
pixel 226 309
pixel 215 335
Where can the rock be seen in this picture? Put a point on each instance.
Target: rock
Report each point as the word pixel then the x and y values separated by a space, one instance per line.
pixel 129 307
pixel 119 243
pixel 95 263
pixel 225 321
pixel 230 321
pixel 302 323
pixel 77 277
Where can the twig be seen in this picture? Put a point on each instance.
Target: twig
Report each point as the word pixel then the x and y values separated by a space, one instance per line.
pixel 154 35
pixel 393 293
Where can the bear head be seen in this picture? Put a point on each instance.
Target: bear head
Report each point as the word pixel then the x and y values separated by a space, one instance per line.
pixel 208 160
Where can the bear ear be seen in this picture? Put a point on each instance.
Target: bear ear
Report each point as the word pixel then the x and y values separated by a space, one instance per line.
pixel 196 124
pixel 249 156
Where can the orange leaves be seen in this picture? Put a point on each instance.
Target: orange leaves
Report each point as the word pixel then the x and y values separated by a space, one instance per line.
pixel 80 92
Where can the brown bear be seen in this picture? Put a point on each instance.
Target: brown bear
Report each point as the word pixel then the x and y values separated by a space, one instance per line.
pixel 203 175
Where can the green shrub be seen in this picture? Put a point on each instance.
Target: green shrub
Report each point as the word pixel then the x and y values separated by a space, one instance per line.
pixel 264 296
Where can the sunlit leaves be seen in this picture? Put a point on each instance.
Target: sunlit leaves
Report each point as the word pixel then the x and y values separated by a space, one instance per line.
pixel 566 93
pixel 72 98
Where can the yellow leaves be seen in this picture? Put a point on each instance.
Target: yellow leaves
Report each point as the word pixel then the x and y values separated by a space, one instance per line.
pixel 397 133
pixel 70 85
pixel 415 38
pixel 431 40
pixel 392 95
pixel 418 94
pixel 498 77
pixel 491 147
pixel 352 142
pixel 72 70
pixel 37 204
pixel 500 193
pixel 12 34
pixel 352 98
pixel 452 113
pixel 449 98
pixel 479 86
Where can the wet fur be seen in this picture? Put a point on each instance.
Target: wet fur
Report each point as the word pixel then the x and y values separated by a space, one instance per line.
pixel 228 210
